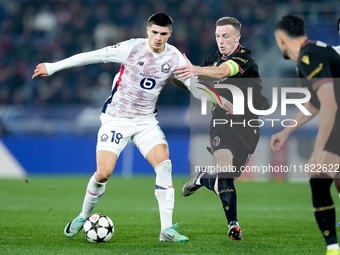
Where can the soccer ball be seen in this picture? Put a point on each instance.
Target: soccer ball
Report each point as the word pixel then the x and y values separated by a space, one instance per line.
pixel 98 228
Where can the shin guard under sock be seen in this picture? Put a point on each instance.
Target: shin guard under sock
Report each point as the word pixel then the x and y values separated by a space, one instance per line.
pixel 94 191
pixel 165 193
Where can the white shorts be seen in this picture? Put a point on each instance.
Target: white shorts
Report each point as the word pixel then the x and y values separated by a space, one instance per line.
pixel 115 133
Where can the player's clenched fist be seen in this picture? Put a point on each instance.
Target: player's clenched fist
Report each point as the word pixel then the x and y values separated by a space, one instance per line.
pixel 40 71
pixel 228 107
pixel 278 139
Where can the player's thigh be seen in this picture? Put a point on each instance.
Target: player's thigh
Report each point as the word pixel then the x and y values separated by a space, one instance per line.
pixel 223 157
pixel 106 162
pixel 112 138
pixel 329 163
pixel 158 154
pixel 114 134
pixel 151 142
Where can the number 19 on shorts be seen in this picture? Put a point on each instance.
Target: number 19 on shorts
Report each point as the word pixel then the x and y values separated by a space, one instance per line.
pixel 116 137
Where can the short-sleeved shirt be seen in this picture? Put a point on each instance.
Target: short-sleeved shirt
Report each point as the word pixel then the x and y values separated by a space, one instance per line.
pixel 247 76
pixel 319 63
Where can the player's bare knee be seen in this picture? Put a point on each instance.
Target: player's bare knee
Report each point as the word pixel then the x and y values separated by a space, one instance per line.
pixel 102 176
pixel 158 154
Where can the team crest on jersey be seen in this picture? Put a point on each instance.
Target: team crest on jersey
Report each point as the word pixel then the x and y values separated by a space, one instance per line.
pixel 216 141
pixel 165 68
pixel 104 137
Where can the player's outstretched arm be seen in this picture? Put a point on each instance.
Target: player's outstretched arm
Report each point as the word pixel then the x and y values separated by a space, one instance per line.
pixel 218 72
pixel 81 59
pixel 40 71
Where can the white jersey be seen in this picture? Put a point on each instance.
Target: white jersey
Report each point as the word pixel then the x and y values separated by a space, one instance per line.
pixel 142 76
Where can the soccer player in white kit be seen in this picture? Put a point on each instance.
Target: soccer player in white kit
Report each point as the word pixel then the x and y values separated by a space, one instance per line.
pixel 130 113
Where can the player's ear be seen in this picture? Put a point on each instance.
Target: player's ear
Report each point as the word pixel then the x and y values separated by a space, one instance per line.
pixel 280 39
pixel 238 37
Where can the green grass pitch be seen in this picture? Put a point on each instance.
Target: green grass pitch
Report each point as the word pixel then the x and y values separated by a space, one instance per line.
pixel 275 217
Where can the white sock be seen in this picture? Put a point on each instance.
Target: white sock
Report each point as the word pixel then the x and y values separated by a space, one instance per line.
pixel 165 193
pixel 166 201
pixel 339 194
pixel 333 246
pixel 94 191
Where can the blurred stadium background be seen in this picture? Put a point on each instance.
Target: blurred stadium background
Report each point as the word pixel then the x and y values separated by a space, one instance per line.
pixel 49 126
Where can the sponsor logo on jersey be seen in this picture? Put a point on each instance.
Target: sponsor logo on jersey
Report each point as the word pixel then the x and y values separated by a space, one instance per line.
pixel 241 59
pixel 150 76
pixel 305 59
pixel 165 68
pixel 104 137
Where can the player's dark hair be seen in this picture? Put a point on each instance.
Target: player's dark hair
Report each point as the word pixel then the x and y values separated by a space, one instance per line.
pixel 293 26
pixel 338 24
pixel 160 19
pixel 229 21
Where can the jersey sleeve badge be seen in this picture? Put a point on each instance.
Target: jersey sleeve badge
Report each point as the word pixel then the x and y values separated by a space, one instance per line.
pixel 305 59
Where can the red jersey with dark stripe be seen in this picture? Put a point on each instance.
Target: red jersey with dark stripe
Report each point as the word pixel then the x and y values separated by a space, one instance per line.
pixel 247 76
pixel 319 63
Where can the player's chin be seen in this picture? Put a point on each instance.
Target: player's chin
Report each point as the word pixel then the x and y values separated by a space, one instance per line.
pixel 222 50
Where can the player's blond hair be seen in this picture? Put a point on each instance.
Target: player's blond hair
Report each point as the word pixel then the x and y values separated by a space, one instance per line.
pixel 229 21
